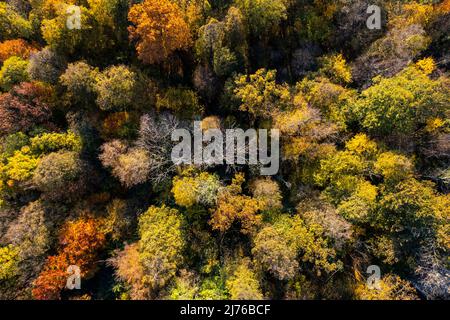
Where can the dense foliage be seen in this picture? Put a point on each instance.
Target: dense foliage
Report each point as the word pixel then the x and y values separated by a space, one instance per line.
pixel 86 177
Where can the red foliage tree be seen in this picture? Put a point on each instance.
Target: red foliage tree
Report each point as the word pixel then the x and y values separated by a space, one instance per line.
pixel 27 105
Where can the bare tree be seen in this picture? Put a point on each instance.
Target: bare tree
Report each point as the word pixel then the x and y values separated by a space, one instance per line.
pixel 155 137
pixel 433 276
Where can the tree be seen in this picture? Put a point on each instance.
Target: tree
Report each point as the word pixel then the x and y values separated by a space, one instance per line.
pixel 268 191
pixel 389 55
pixel 12 24
pixel 97 30
pixel 392 288
pixel 80 241
pixel 335 68
pixel 232 207
pixel 115 88
pixel 46 65
pixel 272 253
pixel 160 244
pixel 410 206
pixel 31 234
pixel 119 125
pixel 51 281
pixel 110 152
pixel 159 30
pixel 117 224
pixel 333 100
pixel 19 168
pixel 130 165
pixel 212 47
pixel 310 242
pixel 26 106
pixel 129 270
pixel 79 80
pixel 51 142
pixel 8 262
pixel 60 175
pixel 262 16
pixel 260 95
pixel 393 167
pixel 181 101
pixel 133 167
pixel 17 47
pixel 305 134
pixel 185 286
pixel 202 188
pixel 401 104
pixel 155 137
pixel 13 71
pixel 243 284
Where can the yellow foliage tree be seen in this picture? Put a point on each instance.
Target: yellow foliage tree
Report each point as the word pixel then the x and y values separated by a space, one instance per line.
pixel 159 29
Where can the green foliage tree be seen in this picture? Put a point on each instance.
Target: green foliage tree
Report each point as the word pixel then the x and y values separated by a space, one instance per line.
pixel 262 16
pixel 12 24
pixel 115 88
pixel 13 71
pixel 401 104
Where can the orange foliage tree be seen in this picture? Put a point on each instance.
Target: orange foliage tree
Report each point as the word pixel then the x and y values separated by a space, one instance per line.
pixel 159 29
pixel 17 47
pixel 80 241
pixel 233 206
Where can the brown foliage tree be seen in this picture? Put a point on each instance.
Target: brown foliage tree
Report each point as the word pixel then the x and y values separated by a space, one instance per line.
pixel 27 105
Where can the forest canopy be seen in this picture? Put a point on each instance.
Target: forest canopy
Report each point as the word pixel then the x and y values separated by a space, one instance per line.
pixel 92 90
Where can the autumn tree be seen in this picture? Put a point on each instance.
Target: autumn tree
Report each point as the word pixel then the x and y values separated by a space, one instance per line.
pixel 273 254
pixel 130 165
pixel 8 262
pixel 26 106
pixel 115 88
pixel 160 244
pixel 60 174
pixel 191 189
pixel 260 95
pixel 243 283
pixel 17 47
pixel 181 101
pixel 158 29
pixel 13 71
pixel 46 65
pixel 392 287
pixel 335 67
pixel 309 241
pixel 79 241
pixel 233 206
pixel 51 142
pixel 129 270
pixel 12 24
pixel 401 104
pixel 31 234
pixel 268 191
pixel 262 16
pixel 79 79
